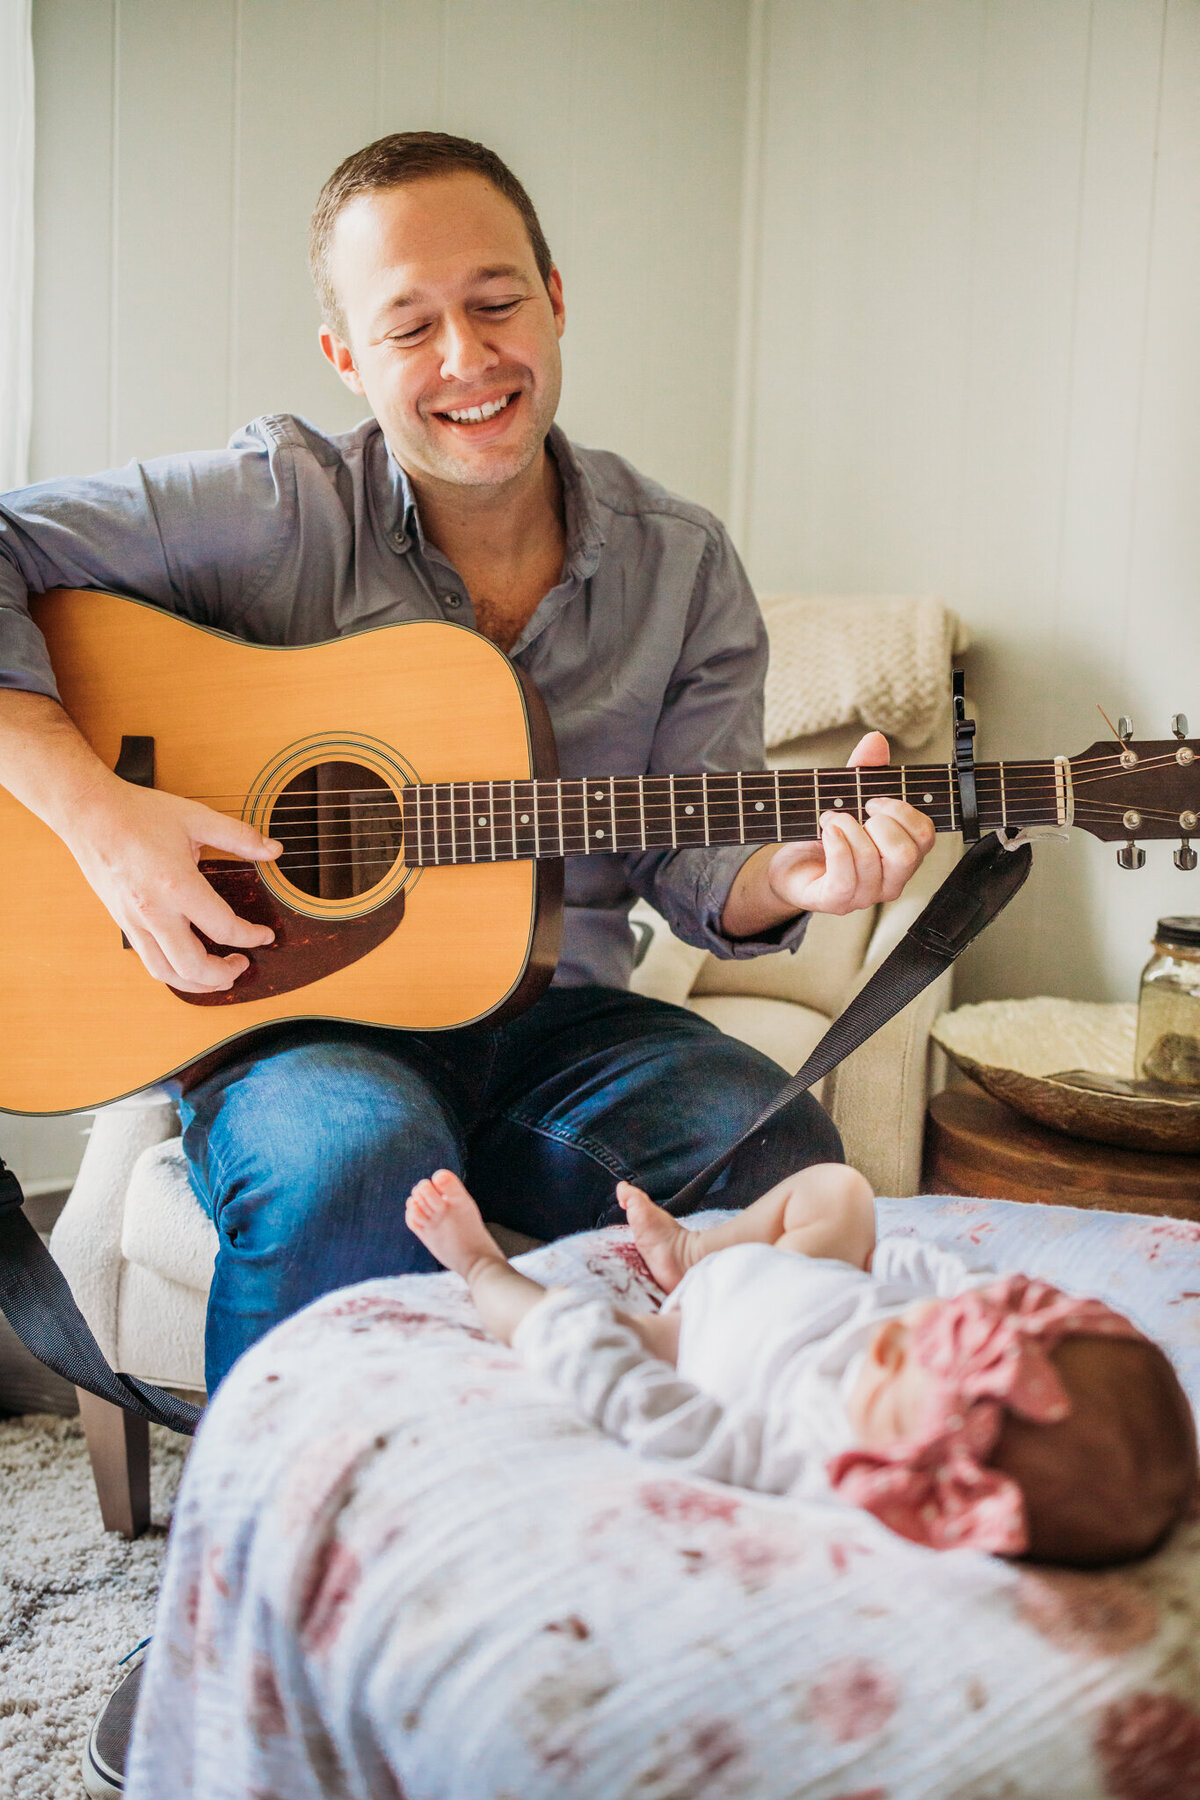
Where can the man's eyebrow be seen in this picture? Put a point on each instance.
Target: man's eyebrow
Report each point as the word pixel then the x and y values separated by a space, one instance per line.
pixel 490 272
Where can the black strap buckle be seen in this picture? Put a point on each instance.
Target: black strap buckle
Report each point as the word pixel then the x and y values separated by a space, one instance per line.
pixel 964 762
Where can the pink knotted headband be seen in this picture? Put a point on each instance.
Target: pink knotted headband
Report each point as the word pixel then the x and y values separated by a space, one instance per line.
pixel 989 1351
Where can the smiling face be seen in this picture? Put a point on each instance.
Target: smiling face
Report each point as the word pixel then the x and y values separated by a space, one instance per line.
pixel 451 334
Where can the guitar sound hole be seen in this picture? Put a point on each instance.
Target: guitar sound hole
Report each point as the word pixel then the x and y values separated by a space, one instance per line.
pixel 341 828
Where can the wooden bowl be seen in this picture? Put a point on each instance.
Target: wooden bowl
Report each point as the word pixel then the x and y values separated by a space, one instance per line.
pixel 1069 1064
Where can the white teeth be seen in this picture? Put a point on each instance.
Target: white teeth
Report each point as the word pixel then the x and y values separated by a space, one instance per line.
pixel 474 415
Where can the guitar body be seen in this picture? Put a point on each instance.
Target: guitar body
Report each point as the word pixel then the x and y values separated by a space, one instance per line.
pixel 232 724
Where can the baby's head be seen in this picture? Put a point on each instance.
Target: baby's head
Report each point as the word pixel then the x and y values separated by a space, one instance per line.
pixel 1023 1421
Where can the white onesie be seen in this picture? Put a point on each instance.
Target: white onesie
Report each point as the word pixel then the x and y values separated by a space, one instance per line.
pixel 770 1344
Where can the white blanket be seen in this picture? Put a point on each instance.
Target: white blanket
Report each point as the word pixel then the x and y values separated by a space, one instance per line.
pixel 402 1568
pixel 880 663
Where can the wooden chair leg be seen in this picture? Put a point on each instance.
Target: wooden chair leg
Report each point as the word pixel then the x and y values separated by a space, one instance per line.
pixel 119 1445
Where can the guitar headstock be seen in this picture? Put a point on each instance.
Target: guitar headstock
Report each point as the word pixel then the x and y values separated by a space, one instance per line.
pixel 1129 790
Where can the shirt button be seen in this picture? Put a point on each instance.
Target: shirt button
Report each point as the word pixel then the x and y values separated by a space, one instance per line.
pixel 453 599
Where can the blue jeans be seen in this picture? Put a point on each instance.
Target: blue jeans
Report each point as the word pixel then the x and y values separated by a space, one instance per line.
pixel 304 1149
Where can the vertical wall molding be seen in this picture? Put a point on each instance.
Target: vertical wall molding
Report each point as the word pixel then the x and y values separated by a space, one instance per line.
pixel 745 372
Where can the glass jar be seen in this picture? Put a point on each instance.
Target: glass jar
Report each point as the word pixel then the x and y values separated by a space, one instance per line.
pixel 1168 1023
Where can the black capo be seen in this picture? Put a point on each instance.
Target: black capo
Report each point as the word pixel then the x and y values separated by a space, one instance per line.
pixel 964 762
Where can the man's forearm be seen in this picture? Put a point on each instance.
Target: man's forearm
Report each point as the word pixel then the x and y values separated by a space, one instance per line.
pixel 752 906
pixel 44 761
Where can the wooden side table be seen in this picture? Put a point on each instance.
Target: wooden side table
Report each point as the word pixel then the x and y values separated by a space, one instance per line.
pixel 976 1145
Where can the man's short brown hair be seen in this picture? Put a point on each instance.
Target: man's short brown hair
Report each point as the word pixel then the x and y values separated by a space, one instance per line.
pixel 391 162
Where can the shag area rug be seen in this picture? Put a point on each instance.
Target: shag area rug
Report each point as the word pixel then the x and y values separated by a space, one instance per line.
pixel 74 1599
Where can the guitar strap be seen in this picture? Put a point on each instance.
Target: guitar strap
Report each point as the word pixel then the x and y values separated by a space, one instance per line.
pixel 38 1304
pixel 980 886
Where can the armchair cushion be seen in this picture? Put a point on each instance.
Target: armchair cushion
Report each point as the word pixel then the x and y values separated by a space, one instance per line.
pixel 781 1030
pixel 165 1229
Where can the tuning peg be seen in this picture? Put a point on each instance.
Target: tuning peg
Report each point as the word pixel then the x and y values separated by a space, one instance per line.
pixel 1185 856
pixel 1124 728
pixel 1131 856
pixel 1179 725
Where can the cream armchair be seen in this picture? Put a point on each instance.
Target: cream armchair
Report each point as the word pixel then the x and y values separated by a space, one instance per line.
pixel 138 1251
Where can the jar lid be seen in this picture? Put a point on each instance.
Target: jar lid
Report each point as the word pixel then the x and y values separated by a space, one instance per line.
pixel 1179 929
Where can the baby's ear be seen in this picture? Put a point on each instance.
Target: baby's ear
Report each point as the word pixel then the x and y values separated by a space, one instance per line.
pixel 887 1347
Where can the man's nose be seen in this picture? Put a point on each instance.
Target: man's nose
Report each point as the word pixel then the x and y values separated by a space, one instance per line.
pixel 466 354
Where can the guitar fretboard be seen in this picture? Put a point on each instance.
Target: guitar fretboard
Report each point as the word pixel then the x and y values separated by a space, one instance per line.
pixel 505 821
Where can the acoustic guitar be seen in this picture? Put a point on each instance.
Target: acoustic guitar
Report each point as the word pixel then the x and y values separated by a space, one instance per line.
pixel 410 773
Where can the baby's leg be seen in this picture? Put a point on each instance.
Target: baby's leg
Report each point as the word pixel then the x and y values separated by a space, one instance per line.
pixel 446 1219
pixel 829 1211
pixel 824 1210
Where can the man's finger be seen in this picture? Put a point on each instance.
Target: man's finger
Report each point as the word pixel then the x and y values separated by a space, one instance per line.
pixel 205 909
pixel 918 825
pixel 870 752
pixel 163 967
pixel 233 835
pixel 899 856
pixel 838 888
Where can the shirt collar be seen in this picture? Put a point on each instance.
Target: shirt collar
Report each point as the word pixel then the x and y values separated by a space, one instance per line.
pixel 585 537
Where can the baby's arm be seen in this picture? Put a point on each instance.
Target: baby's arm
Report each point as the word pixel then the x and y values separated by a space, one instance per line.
pixel 597 1360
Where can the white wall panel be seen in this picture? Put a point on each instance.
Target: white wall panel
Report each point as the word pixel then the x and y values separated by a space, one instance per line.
pixel 977 372
pixel 184 142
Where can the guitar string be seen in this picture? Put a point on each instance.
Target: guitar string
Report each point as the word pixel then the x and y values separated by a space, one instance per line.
pixel 366 860
pixel 716 800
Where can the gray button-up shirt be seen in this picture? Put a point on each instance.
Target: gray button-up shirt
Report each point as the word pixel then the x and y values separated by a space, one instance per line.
pixel 649 653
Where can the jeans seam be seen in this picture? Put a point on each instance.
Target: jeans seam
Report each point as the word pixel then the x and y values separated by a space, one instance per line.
pixel 563 1134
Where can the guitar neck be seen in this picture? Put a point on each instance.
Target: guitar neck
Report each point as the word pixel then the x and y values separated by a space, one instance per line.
pixel 505 821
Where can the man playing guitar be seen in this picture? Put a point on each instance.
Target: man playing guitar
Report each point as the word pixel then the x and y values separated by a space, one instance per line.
pixel 458 500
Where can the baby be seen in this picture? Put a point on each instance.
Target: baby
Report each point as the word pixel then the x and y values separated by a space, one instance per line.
pixel 795 1354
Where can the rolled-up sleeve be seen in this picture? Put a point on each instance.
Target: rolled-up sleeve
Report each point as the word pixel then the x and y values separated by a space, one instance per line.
pixel 599 1364
pixel 712 723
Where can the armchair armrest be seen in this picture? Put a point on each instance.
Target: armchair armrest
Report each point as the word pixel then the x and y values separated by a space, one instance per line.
pixel 86 1241
pixel 877 1097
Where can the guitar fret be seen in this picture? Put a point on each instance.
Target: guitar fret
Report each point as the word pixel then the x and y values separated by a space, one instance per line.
pixel 516 819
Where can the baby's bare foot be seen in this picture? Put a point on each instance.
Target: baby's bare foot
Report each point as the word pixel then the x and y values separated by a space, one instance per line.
pixel 663 1242
pixel 446 1219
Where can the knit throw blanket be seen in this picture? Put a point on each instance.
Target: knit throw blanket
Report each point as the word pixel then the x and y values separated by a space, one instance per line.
pixel 881 663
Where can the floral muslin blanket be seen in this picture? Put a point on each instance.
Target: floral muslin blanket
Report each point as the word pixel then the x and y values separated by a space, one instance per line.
pixel 400 1568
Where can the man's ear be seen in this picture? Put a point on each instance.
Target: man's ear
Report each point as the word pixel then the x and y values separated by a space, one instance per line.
pixel 554 288
pixel 342 358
